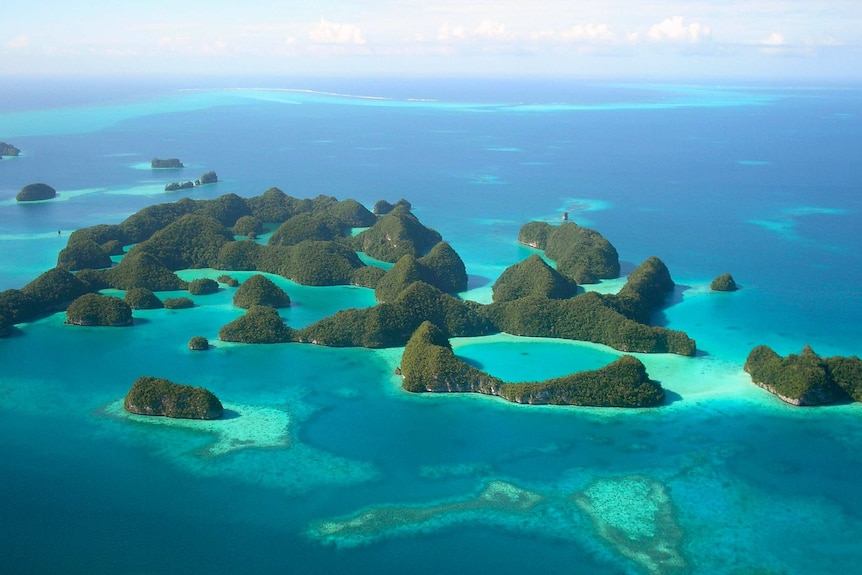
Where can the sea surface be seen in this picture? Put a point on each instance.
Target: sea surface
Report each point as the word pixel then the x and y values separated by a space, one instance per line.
pixel 323 464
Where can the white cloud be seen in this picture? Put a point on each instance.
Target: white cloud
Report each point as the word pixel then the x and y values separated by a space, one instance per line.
pixel 491 29
pixel 676 30
pixel 589 33
pixel 446 33
pixel 774 39
pixel 327 32
pixel 18 42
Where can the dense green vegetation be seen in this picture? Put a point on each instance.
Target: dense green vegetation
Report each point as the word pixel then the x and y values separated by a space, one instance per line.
pixel 94 309
pixel 645 291
pixel 175 186
pixel 395 235
pixel 806 378
pixel 172 163
pixel 36 192
pixel 382 207
pixel 367 276
pixel 581 254
pixel 392 323
pixel 429 365
pixel 260 324
pixel 227 280
pixel 442 268
pixel 207 178
pixel 158 396
pixel 586 317
pixel 8 150
pixel 533 277
pixel 199 343
pixel 247 225
pixel 203 286
pixel 192 241
pixel 82 254
pixel 140 268
pixel 178 303
pixel 305 226
pixel 142 298
pixel 55 289
pixel 724 282
pixel 260 290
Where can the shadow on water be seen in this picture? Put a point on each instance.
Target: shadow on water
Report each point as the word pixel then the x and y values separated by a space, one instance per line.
pixel 671 397
pixel 474 282
pixel 626 268
pixel 659 318
pixel 230 414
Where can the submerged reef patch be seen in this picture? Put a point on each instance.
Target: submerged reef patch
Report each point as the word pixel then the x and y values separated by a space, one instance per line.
pixel 635 515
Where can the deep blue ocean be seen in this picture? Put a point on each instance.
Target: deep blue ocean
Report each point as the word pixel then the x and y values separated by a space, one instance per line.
pixel 324 465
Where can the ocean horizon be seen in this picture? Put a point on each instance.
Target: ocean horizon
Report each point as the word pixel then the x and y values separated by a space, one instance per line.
pixel 324 465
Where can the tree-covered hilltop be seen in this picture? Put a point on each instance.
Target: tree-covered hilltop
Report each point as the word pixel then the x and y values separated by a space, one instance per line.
pixel 94 309
pixel 142 298
pixel 581 254
pixel 442 268
pixel 260 290
pixel 585 317
pixel 166 163
pixel 36 192
pixel 396 234
pixel 203 286
pixel 8 150
pixel 645 291
pixel 533 277
pixel 260 324
pixel 392 323
pixel 806 378
pixel 382 207
pixel 159 396
pixel 429 365
pixel 140 268
pixel 724 282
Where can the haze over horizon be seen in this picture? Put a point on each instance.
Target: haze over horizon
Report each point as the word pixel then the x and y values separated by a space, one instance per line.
pixel 680 39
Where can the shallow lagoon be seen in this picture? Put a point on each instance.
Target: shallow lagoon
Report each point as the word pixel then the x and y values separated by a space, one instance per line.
pixel 724 475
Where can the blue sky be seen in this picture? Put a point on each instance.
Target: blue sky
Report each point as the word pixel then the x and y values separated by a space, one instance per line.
pixel 760 39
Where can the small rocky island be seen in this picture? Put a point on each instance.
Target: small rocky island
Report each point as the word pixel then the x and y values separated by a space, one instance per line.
pixel 806 378
pixel 724 282
pixel 207 178
pixel 158 396
pixel 8 150
pixel 166 164
pixel 36 192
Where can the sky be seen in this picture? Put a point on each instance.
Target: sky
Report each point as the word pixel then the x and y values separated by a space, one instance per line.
pixel 754 40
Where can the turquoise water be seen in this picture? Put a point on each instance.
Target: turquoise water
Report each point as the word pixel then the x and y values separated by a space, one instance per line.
pixel 323 465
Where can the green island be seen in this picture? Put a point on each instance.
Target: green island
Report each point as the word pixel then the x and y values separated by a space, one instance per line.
pixel 806 378
pixel 8 150
pixel 166 163
pixel 315 244
pixel 158 396
pixel 430 365
pixel 94 309
pixel 207 178
pixel 36 192
pixel 724 282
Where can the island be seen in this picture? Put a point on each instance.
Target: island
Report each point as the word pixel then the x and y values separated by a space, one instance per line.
pixel 36 192
pixel 207 178
pixel 158 396
pixel 199 343
pixel 260 290
pixel 430 365
pixel 93 309
pixel 176 186
pixel 168 163
pixel 316 244
pixel 8 150
pixel 724 282
pixel 806 378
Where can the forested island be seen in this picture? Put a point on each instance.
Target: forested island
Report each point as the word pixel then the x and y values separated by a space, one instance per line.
pixel 8 150
pixel 806 378
pixel 36 192
pixel 158 396
pixel 315 244
pixel 166 163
